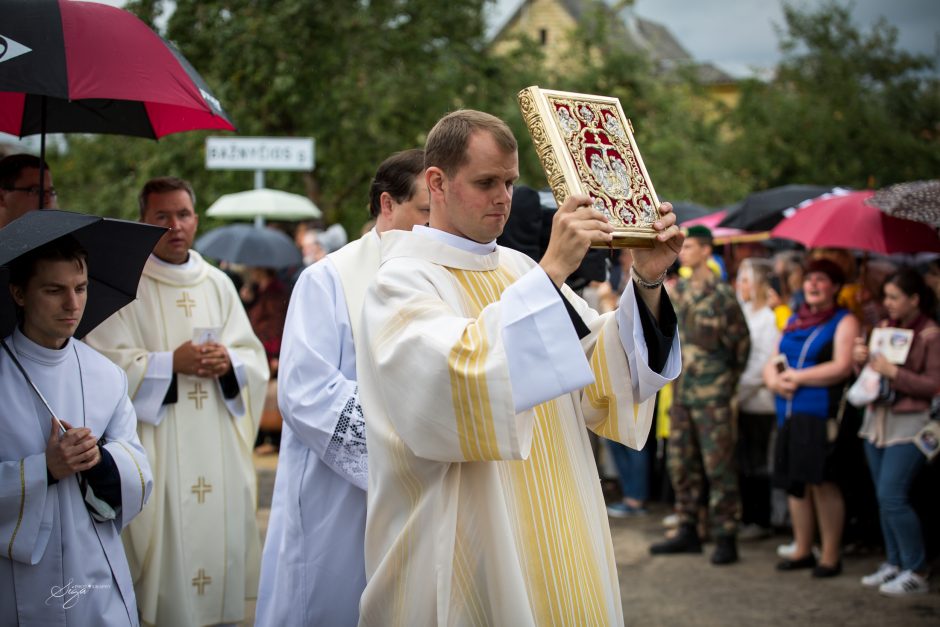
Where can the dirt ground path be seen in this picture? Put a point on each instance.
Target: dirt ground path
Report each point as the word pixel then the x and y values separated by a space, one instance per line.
pixel 688 590
pixel 685 590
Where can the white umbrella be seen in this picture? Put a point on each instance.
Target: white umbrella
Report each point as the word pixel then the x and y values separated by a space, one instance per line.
pixel 270 204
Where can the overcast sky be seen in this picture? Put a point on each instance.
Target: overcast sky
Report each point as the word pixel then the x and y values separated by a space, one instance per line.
pixel 738 35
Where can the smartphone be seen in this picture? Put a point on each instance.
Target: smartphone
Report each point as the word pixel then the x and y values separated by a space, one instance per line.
pixel 780 363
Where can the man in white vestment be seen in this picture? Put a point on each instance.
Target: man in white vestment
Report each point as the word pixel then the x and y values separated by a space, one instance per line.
pixel 59 565
pixel 313 571
pixel 198 376
pixel 478 371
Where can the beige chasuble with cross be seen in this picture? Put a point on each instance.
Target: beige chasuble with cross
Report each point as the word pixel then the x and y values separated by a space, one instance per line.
pixel 194 551
pixel 482 512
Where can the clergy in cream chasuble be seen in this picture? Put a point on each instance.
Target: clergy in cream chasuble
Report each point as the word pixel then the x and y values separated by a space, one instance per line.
pixel 195 551
pixel 484 503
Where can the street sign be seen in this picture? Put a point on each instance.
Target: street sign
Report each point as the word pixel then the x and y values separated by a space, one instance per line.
pixel 260 153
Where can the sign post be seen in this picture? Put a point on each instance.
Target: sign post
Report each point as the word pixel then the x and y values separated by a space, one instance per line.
pixel 260 154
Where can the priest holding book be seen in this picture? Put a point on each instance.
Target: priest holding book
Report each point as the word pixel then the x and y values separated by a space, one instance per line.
pixel 480 372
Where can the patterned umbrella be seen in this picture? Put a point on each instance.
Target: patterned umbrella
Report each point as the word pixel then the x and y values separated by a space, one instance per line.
pixel 914 200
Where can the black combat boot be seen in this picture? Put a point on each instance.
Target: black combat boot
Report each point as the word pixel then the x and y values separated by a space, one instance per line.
pixel 726 550
pixel 686 541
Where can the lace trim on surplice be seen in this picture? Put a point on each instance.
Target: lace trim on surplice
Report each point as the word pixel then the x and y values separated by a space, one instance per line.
pixel 346 451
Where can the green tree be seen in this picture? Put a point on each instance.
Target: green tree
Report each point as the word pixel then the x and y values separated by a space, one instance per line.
pixel 364 78
pixel 675 125
pixel 846 107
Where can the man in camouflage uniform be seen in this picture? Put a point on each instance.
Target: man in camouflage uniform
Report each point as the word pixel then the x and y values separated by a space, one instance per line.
pixel 715 345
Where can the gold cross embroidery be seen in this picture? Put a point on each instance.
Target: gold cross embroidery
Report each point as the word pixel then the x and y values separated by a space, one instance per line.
pixel 201 581
pixel 200 489
pixel 198 395
pixel 186 303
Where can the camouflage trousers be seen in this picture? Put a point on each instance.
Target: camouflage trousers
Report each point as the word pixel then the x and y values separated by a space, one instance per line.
pixel 702 447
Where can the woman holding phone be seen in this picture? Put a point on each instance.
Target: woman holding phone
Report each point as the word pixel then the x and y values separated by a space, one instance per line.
pixel 817 346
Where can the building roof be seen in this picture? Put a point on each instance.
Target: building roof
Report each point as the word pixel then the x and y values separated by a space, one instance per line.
pixel 642 35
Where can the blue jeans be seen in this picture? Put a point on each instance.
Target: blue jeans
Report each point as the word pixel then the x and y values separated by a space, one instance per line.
pixel 893 469
pixel 633 468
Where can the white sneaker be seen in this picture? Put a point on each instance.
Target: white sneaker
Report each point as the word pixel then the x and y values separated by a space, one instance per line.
pixel 786 551
pixel 671 521
pixel 885 573
pixel 907 583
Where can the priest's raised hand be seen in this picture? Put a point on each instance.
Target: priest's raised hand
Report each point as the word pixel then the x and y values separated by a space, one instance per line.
pixel 650 264
pixel 575 226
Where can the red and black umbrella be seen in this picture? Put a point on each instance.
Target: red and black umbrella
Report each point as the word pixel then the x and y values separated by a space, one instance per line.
pixel 100 69
pixel 84 67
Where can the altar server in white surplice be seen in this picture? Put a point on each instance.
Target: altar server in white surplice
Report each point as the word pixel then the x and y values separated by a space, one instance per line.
pixel 58 565
pixel 198 376
pixel 478 372
pixel 312 572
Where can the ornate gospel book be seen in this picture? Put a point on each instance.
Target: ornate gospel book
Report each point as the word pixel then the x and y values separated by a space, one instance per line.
pixel 586 146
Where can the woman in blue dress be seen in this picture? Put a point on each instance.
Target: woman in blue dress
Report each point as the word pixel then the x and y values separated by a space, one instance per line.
pixel 808 377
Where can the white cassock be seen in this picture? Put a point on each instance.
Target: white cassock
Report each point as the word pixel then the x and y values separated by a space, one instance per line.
pixel 195 551
pixel 58 566
pixel 484 505
pixel 312 571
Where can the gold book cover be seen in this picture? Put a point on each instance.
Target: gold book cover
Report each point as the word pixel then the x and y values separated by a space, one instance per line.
pixel 586 146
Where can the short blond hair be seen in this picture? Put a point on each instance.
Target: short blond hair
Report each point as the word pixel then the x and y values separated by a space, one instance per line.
pixel 446 146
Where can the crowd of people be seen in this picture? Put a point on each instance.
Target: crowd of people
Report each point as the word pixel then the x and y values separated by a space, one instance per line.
pixel 772 342
pixel 437 392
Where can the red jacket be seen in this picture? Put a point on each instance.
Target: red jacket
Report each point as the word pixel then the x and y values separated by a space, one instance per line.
pixel 918 380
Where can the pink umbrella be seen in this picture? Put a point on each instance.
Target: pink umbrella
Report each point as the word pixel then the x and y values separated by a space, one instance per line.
pixel 843 220
pixel 723 234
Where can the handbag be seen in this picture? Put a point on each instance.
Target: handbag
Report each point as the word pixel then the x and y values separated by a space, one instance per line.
pixel 866 389
pixel 835 423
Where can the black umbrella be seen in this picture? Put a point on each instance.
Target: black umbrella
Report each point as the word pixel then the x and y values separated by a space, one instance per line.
pixel 761 211
pixel 117 251
pixel 686 210
pixel 257 246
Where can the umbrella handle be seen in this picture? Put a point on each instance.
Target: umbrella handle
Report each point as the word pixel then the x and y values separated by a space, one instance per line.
pixel 42 154
pixel 42 398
